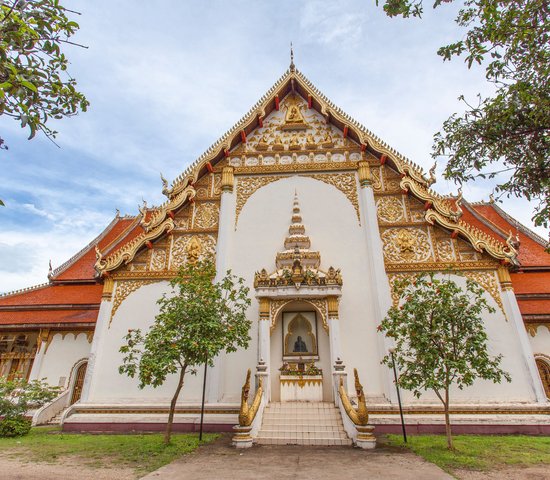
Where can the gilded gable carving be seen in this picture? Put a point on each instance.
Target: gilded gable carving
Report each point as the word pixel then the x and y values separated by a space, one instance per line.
pixel 158 259
pixel 445 250
pixel 390 209
pixel 406 245
pixel 206 215
pixel 191 248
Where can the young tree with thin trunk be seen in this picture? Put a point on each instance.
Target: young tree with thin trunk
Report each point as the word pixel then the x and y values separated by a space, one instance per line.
pixel 440 340
pixel 197 321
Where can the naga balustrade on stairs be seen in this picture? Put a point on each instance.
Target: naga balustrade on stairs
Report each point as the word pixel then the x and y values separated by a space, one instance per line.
pixel 250 415
pixel 356 420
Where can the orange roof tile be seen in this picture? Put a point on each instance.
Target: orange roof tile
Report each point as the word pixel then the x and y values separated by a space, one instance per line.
pixel 531 252
pixel 534 307
pixel 81 266
pixel 55 295
pixel 48 316
pixel 531 282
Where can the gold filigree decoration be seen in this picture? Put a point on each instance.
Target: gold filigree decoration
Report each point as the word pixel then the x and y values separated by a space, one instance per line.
pixel 478 239
pixel 375 176
pixel 397 277
pixel 390 209
pixel 246 186
pixel 488 281
pixel 406 245
pixel 158 260
pixel 191 248
pixel 206 215
pixel 123 290
pixel 345 182
pixel 319 303
pixel 445 250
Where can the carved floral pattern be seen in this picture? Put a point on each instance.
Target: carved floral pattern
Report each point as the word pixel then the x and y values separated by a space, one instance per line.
pixel 390 209
pixel 488 280
pixel 158 260
pixel 206 215
pixel 277 305
pixel 445 250
pixel 185 249
pixel 406 245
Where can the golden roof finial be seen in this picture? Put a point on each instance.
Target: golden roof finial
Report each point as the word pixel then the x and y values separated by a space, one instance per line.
pixel 292 66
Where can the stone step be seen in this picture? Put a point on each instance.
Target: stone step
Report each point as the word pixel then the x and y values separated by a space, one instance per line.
pixel 289 434
pixel 303 423
pixel 303 441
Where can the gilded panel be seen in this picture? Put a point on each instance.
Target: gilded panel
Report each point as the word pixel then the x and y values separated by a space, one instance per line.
pixel 206 215
pixel 406 245
pixel 390 209
pixel 191 248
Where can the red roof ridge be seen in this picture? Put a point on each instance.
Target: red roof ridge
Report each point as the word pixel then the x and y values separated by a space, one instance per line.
pixel 79 254
pixel 485 220
pixel 24 290
pixel 522 228
pixel 115 242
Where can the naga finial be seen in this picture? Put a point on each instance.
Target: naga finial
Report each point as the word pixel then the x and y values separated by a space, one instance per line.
pixel 143 208
pixel 513 243
pixel 117 214
pixel 432 178
pixel 165 189
pixel 50 269
pixel 98 254
pixel 491 198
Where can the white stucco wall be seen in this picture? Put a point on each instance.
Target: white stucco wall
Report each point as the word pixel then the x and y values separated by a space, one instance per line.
pixel 332 224
pixel 541 341
pixel 138 310
pixel 61 356
pixel 502 340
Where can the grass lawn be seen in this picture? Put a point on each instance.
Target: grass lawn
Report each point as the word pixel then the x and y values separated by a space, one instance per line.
pixel 142 452
pixel 479 452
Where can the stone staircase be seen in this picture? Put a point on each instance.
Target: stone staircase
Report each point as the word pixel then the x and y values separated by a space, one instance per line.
pixel 302 423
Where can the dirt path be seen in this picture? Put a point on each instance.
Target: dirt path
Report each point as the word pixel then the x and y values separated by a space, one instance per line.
pixel 69 469
pixel 539 472
pixel 220 461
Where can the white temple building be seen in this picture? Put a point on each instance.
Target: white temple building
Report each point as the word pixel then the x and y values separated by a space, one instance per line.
pixel 321 218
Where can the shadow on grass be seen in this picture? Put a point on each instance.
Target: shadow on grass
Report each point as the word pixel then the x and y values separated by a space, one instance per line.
pixel 141 452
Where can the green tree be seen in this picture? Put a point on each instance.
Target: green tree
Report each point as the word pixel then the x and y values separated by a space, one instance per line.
pixel 505 136
pixel 197 321
pixel 439 337
pixel 17 397
pixel 34 83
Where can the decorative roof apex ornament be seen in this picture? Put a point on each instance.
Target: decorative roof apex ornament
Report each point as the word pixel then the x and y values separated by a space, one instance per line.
pixel 292 66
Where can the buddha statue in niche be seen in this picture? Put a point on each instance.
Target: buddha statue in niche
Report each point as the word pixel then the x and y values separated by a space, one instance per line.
pixel 294 143
pixel 262 143
pixel 310 141
pixel 278 143
pixel 327 140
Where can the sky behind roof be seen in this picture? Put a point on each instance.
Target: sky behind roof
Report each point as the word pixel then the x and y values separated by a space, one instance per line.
pixel 166 79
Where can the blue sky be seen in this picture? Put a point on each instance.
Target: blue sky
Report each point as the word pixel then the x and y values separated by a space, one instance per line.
pixel 165 79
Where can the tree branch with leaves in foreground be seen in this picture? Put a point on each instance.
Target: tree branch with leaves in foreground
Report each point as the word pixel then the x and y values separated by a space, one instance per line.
pixel 198 319
pixel 440 339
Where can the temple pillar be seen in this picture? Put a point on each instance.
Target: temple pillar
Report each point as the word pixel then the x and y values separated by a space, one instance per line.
pixel 223 264
pixel 511 309
pixel 382 296
pixel 41 344
pixel 264 343
pixel 101 327
pixel 334 329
